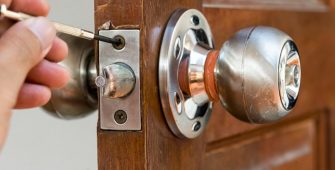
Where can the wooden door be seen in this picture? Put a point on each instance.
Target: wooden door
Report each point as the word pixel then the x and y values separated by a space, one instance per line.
pixel 303 140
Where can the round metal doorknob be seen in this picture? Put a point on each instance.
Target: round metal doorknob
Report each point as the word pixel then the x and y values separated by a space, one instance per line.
pixel 79 97
pixel 257 74
pixel 118 80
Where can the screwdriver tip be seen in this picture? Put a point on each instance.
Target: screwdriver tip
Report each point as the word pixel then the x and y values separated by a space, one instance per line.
pixel 106 39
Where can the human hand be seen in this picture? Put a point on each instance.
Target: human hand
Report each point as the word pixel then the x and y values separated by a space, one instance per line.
pixel 29 51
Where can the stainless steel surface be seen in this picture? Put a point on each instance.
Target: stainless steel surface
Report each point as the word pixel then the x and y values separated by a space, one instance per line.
pixel 187 34
pixel 120 80
pixel 258 74
pixel 130 104
pixel 100 81
pixel 77 99
pixel 196 69
pixel 289 75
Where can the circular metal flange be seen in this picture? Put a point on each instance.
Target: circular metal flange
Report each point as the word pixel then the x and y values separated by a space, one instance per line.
pixel 186 30
pixel 79 97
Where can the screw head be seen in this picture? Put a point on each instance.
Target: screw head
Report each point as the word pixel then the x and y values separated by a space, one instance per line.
pixel 195 20
pixel 121 42
pixel 196 126
pixel 100 81
pixel 120 117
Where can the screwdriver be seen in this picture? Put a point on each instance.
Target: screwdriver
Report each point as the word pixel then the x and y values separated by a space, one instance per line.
pixel 77 32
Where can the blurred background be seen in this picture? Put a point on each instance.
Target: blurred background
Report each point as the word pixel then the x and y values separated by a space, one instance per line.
pixel 38 141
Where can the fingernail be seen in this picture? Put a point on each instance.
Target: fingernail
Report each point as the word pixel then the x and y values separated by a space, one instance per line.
pixel 44 31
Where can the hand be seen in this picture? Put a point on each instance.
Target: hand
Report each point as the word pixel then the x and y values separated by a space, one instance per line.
pixel 29 51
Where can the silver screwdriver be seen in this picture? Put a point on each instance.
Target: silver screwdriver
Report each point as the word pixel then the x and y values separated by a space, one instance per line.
pixel 77 32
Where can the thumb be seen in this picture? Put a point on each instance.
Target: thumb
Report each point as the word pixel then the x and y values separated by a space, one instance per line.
pixel 22 47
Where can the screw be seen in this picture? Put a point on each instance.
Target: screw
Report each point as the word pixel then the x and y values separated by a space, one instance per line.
pixel 100 81
pixel 196 126
pixel 195 20
pixel 121 42
pixel 120 117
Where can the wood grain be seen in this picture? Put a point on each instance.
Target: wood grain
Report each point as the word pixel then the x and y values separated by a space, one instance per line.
pixel 121 13
pixel 291 5
pixel 268 149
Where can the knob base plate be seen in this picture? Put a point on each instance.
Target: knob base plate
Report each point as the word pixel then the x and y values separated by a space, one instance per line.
pixel 186 114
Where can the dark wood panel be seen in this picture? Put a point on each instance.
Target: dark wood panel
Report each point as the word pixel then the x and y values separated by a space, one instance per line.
pixel 296 5
pixel 295 145
pixel 119 12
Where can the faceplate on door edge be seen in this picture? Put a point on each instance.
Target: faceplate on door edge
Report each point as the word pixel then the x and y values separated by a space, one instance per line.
pixel 112 109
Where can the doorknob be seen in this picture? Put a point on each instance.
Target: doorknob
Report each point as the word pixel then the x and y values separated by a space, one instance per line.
pixel 78 98
pixel 110 82
pixel 255 75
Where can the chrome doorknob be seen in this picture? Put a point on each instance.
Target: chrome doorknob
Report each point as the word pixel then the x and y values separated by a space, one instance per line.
pixel 255 75
pixel 108 81
pixel 79 97
pixel 117 81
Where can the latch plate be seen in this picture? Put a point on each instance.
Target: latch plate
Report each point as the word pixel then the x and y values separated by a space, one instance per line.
pixel 120 113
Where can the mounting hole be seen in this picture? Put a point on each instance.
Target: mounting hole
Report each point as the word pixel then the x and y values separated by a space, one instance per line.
pixel 178 102
pixel 120 117
pixel 196 126
pixel 195 20
pixel 121 42
pixel 176 50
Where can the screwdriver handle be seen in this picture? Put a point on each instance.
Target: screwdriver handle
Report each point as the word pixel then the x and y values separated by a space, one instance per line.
pixel 77 32
pixel 13 15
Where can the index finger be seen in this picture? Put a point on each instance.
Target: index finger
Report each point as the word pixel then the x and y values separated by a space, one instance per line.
pixel 32 7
